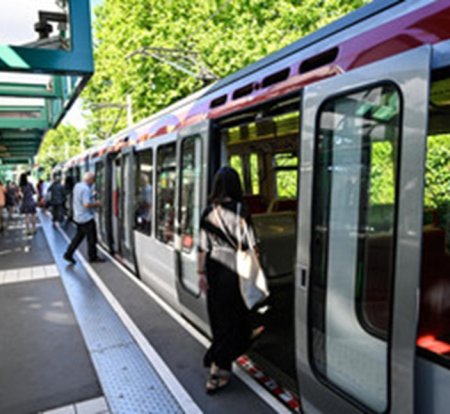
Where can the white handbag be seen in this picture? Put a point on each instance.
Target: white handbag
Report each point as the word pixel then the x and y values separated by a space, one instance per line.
pixel 252 280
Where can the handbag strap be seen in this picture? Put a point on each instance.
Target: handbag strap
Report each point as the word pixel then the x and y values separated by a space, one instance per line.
pixel 241 226
pixel 222 228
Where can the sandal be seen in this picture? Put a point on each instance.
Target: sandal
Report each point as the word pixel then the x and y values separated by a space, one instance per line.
pixel 217 381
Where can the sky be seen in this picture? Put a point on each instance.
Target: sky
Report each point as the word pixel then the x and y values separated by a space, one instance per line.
pixel 17 28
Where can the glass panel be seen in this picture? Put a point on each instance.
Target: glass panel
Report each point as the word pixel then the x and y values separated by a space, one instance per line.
pixel 236 163
pixel 35 24
pixel 126 203
pixel 254 173
pixel 165 193
pixel 190 191
pixel 434 325
pixel 144 192
pixel 99 189
pixel 352 250
pixel 286 170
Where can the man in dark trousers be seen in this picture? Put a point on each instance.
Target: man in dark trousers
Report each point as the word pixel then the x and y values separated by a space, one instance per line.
pixel 83 216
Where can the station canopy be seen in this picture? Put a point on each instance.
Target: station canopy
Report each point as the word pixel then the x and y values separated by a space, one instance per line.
pixel 45 62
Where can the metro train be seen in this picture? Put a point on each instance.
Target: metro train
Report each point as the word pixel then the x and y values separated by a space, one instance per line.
pixel 342 142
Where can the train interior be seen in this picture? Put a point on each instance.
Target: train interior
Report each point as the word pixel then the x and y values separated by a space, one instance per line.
pixel 263 146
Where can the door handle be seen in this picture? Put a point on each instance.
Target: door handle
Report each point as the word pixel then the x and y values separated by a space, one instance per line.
pixel 303 277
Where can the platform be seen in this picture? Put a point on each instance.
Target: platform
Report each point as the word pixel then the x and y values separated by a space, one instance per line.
pixel 93 339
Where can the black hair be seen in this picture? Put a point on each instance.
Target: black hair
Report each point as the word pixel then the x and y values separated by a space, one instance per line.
pixel 23 181
pixel 226 184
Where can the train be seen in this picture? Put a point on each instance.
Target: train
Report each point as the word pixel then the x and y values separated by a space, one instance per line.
pixel 342 143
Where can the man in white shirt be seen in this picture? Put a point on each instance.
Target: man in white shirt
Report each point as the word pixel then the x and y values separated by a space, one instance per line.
pixel 83 216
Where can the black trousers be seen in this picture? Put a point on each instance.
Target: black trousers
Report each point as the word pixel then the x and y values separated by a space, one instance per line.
pixel 84 230
pixel 58 212
pixel 228 316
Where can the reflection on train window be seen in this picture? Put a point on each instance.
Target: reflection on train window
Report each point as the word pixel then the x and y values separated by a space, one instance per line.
pixel 144 191
pixel 99 177
pixel 165 193
pixel 353 250
pixel 99 190
pixel 191 166
pixel 286 165
pixel 434 325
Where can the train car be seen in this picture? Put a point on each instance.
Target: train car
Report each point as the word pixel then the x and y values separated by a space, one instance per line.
pixel 342 144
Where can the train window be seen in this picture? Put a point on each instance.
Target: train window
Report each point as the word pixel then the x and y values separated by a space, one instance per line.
pixel 100 194
pixel 144 192
pixel 286 167
pixel 254 173
pixel 99 178
pixel 434 324
pixel 352 263
pixel 191 159
pixel 236 163
pixel 248 169
pixel 165 193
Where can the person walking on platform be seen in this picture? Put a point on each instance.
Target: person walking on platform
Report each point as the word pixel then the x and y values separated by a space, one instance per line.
pixel 83 216
pixel 228 315
pixel 2 204
pixel 56 194
pixel 28 205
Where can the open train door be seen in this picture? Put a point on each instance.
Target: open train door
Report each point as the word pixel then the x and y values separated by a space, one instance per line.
pixel 103 181
pixel 191 196
pixel 358 259
pixel 126 208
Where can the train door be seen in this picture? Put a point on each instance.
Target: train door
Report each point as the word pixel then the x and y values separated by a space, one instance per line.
pixel 103 194
pixel 116 180
pixel 154 235
pixel 262 145
pixel 190 201
pixel 99 168
pixel 363 140
pixel 126 213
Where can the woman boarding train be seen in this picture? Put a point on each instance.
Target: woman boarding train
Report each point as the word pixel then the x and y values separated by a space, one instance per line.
pixel 220 234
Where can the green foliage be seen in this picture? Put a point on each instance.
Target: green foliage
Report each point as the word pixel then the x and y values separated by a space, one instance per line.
pixel 437 178
pixel 382 170
pixel 227 34
pixel 60 145
pixel 286 175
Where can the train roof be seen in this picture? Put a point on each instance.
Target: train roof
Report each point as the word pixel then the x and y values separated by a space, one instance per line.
pixel 344 22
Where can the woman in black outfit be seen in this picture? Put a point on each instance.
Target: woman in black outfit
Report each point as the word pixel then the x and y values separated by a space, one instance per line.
pixel 228 315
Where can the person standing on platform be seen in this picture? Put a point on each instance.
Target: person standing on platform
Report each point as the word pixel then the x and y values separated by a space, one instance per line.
pixel 28 206
pixel 11 199
pixel 40 194
pixel 68 187
pixel 2 204
pixel 83 216
pixel 56 194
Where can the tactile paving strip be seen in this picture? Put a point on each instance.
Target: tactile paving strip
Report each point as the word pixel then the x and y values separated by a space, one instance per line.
pixel 130 383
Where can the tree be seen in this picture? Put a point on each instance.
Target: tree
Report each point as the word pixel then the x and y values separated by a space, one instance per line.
pixel 227 34
pixel 60 145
